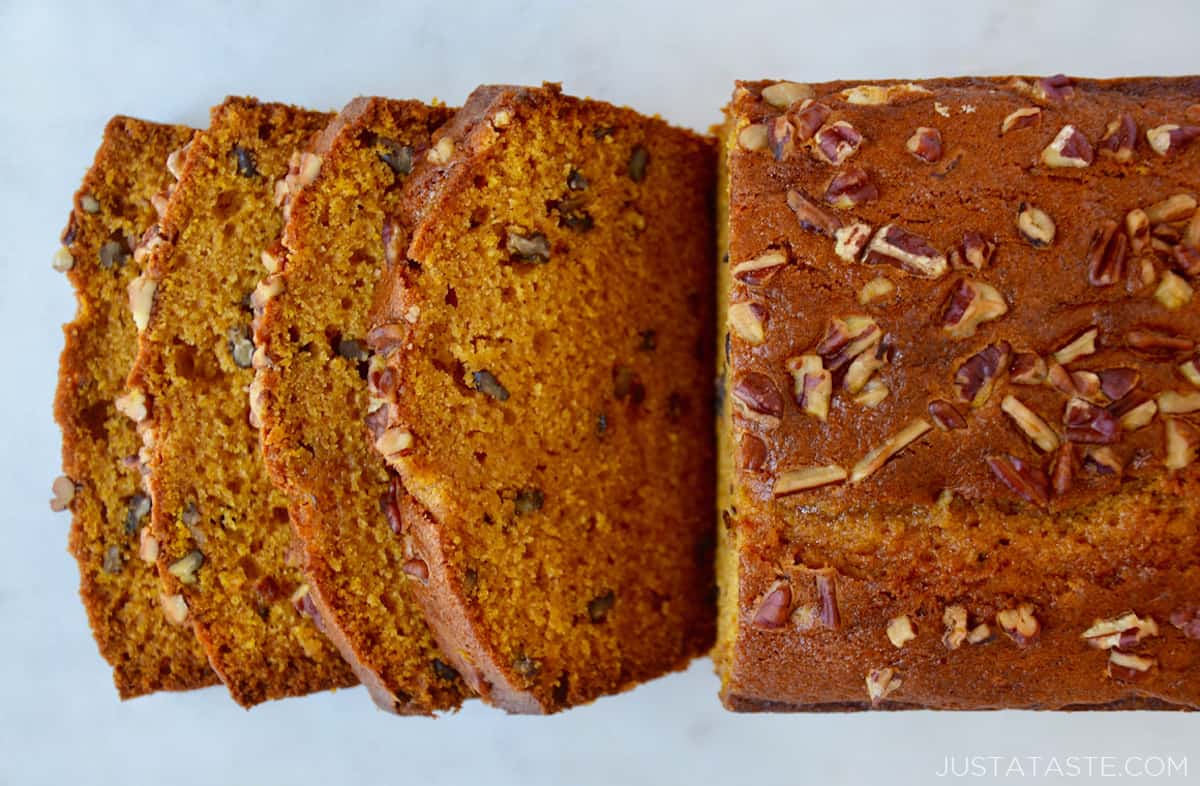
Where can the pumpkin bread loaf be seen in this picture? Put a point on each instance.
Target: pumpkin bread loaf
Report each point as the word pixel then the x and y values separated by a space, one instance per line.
pixel 963 396
pixel 546 362
pixel 310 394
pixel 225 546
pixel 102 485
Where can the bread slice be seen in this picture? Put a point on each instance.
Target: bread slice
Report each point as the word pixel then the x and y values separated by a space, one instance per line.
pixel 102 485
pixel 310 394
pixel 547 345
pixel 958 449
pixel 225 552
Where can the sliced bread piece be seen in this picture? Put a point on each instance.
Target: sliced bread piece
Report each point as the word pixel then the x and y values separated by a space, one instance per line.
pixel 102 486
pixel 547 345
pixel 225 548
pixel 310 394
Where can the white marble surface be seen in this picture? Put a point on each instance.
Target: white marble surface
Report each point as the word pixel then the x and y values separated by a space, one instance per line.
pixel 65 67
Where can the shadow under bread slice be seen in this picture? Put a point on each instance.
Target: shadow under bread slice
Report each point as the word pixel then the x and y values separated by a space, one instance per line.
pixel 547 351
pixel 225 546
pixel 310 395
pixel 102 486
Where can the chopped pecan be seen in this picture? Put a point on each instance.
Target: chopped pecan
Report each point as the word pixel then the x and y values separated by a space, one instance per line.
pixel 1035 225
pixel 826 582
pixel 781 138
pixel 1084 422
pixel 1054 88
pixel 836 142
pixel 1172 402
pixel 907 251
pixel 863 366
pixel 1171 138
pixel 873 95
pixel 757 398
pixel 812 216
pixel 880 455
pixel 1104 460
pixel 808 118
pixel 926 144
pixel 977 375
pixel 1106 256
pixel 1182 440
pixel 1062 469
pixel 1188 621
pixel 877 289
pixel 1140 416
pixel 1128 667
pixel 1177 207
pixel 1030 423
pixel 1021 118
pixel 1023 479
pixel 748 322
pixel 900 630
pixel 955 620
pixel 774 608
pixel 753 137
pixel 813 386
pixel 851 241
pixel 784 94
pixel 1081 346
pixel 752 453
pixel 1157 342
pixel 1190 369
pixel 760 269
pixel 1119 140
pixel 850 188
pixel 976 251
pixel 881 683
pixel 971 304
pixel 1137 227
pixel 1173 292
pixel 945 416
pixel 795 480
pixel 1027 368
pixel 1070 148
pixel 1117 383
pixel 872 394
pixel 1021 624
pixel 846 339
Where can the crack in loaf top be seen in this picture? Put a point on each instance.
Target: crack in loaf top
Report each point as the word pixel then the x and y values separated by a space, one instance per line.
pixel 969 285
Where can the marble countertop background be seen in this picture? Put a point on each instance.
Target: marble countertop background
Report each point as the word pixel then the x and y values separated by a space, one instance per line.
pixel 66 67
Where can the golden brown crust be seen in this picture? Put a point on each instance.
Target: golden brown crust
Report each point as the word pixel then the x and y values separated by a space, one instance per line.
pixel 225 555
pixel 556 233
pixel 984 515
pixel 119 590
pixel 312 400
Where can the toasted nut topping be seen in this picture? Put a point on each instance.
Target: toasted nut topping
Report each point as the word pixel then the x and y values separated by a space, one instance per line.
pixel 1188 621
pixel 812 216
pixel 808 118
pixel 746 320
pixel 1069 149
pixel 1127 666
pixel 174 608
pixel 781 138
pixel 758 270
pixel 976 251
pixel 836 142
pixel 1190 369
pixel 1035 226
pixel 900 631
pixel 1025 480
pixel 862 367
pixel 971 304
pixel 63 489
pixel 185 567
pixel 757 398
pixel 851 241
pixel 1062 469
pixel 1030 423
pixel 979 634
pixel 945 416
pixel 1173 292
pixel 395 441
pixel 1174 208
pixel 62 260
pixel 442 152
pixel 795 480
pixel 1090 424
pixel 1182 440
pixel 774 608
pixel 1170 139
pixel 1020 624
pixel 977 375
pixel 872 395
pixel 871 95
pixel 1117 383
pixel 1140 416
pixel 850 188
pixel 1081 346
pixel 911 253
pixel 876 289
pixel 955 620
pixel 1021 118
pixel 1125 631
pixel 1106 256
pixel 1156 342
pixel 1027 368
pixel 784 94
pixel 753 137
pixel 1052 88
pixel 813 385
pixel 879 456
pixel 846 339
pixel 1119 140
pixel 926 144
pixel 881 683
pixel 141 300
pixel 752 453
pixel 1137 227
pixel 1104 460
pixel 1191 234
pixel 1171 402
